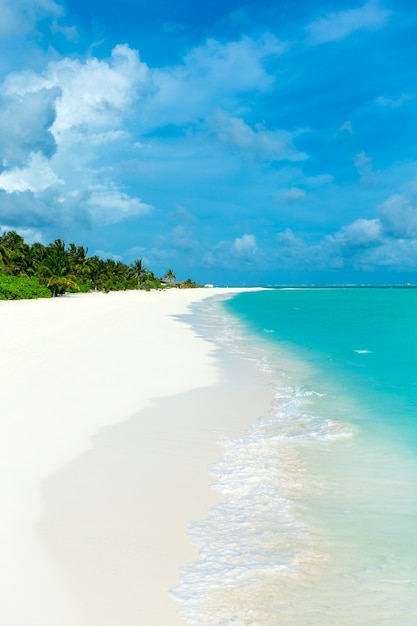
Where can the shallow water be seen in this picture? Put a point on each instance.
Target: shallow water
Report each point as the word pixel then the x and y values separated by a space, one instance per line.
pixel 318 522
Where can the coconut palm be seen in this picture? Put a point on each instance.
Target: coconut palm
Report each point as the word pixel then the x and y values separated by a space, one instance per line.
pixel 141 273
pixel 170 276
pixel 4 254
pixel 14 253
pixel 138 270
pixel 54 269
pixel 36 254
pixel 78 261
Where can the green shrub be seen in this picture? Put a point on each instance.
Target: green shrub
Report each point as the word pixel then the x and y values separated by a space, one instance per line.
pixel 188 284
pixel 22 288
pixel 150 283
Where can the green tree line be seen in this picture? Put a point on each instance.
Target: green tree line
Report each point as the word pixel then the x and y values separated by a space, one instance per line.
pixel 37 270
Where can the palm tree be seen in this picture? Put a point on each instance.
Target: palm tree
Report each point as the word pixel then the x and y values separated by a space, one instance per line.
pixel 14 253
pixel 36 254
pixel 54 269
pixel 4 254
pixel 139 271
pixel 170 276
pixel 96 271
pixel 78 261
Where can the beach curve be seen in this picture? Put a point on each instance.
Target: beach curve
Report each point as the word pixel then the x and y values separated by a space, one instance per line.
pixel 85 539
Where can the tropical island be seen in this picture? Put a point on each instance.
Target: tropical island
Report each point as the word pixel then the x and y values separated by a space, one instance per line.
pixel 45 271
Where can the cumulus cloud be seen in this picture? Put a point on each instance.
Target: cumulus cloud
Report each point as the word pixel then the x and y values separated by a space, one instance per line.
pixel 388 241
pixel 83 113
pixel 362 232
pixel 45 209
pixel 345 248
pixel 19 17
pixel 93 94
pixel 398 254
pixel 111 206
pixel 341 24
pixel 245 245
pixel 63 115
pixel 25 126
pixel 242 251
pixel 257 142
pixel 398 215
pixel 37 176
pixel 74 106
pixel 209 77
pixel 293 252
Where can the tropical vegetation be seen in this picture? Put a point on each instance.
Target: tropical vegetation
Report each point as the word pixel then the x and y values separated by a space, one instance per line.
pixel 39 271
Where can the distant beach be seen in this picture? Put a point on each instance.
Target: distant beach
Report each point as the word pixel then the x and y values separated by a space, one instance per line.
pixel 112 407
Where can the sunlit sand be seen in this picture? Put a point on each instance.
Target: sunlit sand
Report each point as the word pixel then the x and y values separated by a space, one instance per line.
pixel 111 410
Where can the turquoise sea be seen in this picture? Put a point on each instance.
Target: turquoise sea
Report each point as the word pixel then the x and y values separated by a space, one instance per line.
pixel 318 526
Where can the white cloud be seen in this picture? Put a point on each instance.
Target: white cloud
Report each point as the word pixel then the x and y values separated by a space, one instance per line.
pixel 242 251
pixel 293 251
pixel 258 142
pixel 74 113
pixel 9 23
pixel 398 216
pixel 387 241
pixel 245 245
pixel 30 235
pixel 25 126
pixel 363 164
pixel 44 209
pixel 82 114
pixel 398 254
pixel 336 26
pixel 37 176
pixel 212 75
pixel 93 94
pixel 102 254
pixel 292 195
pixel 97 93
pixel 362 232
pixel 20 18
pixel 111 206
pixel 394 103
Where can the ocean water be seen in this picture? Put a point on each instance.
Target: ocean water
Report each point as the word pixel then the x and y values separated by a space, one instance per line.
pixel 318 524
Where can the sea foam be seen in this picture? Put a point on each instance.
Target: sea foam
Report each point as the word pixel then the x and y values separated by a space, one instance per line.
pixel 256 537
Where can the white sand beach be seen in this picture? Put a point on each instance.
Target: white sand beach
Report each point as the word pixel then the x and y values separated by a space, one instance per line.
pixel 111 408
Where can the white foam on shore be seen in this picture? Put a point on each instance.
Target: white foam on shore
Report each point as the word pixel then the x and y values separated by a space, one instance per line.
pixel 257 533
pixel 293 541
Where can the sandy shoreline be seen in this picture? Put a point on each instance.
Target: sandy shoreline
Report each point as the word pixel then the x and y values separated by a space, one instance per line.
pixel 111 409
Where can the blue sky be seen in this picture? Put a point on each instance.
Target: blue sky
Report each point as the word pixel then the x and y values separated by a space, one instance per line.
pixel 267 142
